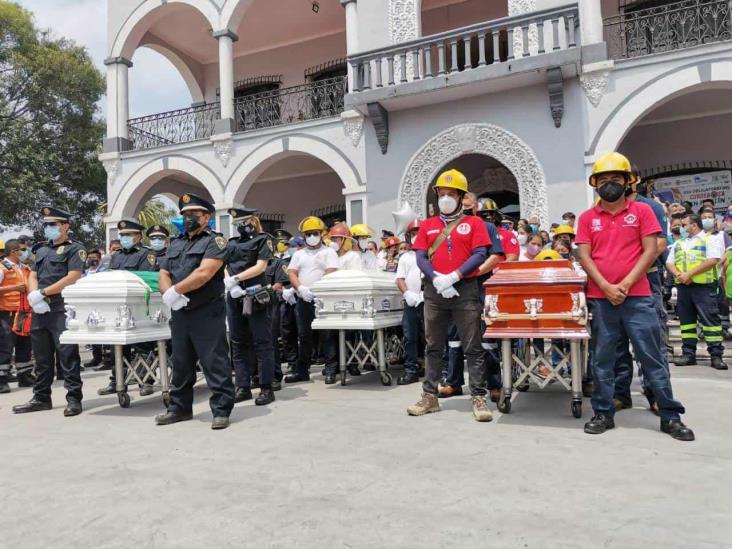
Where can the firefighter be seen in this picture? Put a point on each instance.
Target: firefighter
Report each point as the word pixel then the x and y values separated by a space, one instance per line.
pixel 363 235
pixel 342 242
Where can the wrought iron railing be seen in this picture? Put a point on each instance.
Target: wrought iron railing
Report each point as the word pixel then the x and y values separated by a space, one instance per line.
pixel 672 26
pixel 169 128
pixel 288 105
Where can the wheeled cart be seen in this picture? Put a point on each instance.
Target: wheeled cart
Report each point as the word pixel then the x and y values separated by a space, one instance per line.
pixel 152 367
pixel 362 352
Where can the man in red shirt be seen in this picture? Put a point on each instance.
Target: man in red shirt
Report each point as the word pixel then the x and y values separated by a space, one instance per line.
pixel 450 248
pixel 617 244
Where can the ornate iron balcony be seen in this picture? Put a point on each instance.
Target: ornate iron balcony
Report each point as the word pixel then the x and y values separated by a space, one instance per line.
pixel 169 128
pixel 673 26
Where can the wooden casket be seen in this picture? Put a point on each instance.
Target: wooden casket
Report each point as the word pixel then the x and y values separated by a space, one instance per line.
pixel 114 308
pixel 536 299
pixel 357 300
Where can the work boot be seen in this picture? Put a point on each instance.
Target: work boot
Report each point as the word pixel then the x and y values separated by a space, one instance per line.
pixel 495 394
pixel 73 408
pixel 481 412
pixel 297 378
pixel 427 404
pixel 105 365
pixel 277 385
pixel 33 405
pixel 91 363
pixel 266 396
pixel 718 363
pixel 408 378
pixel 242 394
pixel 110 389
pixel 146 389
pixel 685 360
pixel 447 391
pixel 220 422
pixel 420 371
pixel 621 404
pixel 330 379
pixel 168 418
pixel 353 370
pixel 677 430
pixel 599 424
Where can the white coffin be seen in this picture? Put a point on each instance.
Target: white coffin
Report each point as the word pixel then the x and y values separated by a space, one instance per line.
pixel 114 308
pixel 357 300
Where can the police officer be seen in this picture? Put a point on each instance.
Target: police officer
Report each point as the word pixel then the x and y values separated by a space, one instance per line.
pixel 250 324
pixel 284 325
pixel 158 237
pixel 191 279
pixel 60 263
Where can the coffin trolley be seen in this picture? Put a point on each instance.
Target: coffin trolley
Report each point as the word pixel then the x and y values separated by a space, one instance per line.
pixel 364 301
pixel 118 308
pixel 533 301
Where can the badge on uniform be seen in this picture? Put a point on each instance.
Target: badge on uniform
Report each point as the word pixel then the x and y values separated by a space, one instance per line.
pixel 185 199
pixel 60 250
pixel 220 242
pixel 284 268
pixel 151 259
pixel 82 255
pixel 269 245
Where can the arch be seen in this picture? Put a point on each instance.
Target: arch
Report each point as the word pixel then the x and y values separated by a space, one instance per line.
pixel 247 172
pixel 674 83
pixel 135 26
pixel 233 12
pixel 130 195
pixel 487 139
pixel 194 87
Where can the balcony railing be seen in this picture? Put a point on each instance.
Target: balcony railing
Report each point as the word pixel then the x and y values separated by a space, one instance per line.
pixel 169 128
pixel 488 43
pixel 673 26
pixel 312 101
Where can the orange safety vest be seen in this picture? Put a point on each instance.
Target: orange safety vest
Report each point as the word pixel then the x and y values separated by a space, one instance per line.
pixel 10 301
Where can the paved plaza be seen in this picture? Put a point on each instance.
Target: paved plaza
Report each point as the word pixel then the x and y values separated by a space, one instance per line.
pixel 345 467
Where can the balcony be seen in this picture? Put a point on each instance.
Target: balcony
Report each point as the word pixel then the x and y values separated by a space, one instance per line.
pixel 473 58
pixel 312 101
pixel 670 27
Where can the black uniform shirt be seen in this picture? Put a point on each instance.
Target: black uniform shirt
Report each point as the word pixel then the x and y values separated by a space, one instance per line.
pixel 277 271
pixel 53 262
pixel 152 259
pixel 185 255
pixel 244 253
pixel 129 260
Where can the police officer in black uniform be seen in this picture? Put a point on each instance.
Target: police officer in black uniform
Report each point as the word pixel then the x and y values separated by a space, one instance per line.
pixel 283 313
pixel 191 279
pixel 60 263
pixel 159 238
pixel 249 317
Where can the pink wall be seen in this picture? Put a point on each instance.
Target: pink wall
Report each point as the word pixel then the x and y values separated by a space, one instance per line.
pixel 462 14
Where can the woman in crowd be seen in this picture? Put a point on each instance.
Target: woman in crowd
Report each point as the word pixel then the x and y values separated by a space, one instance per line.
pixel 534 245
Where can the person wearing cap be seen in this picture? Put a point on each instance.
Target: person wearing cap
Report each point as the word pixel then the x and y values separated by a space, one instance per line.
pixel 307 266
pixel 409 282
pixel 58 264
pixel 390 260
pixel 617 242
pixel 250 323
pixel 191 279
pixel 284 325
pixel 362 234
pixel 159 237
pixel 450 248
pixel 341 240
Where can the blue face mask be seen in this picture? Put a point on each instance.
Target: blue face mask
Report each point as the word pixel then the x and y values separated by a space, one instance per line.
pixel 127 242
pixel 52 232
pixel 157 244
pixel 24 255
pixel 684 233
pixel 707 224
pixel 534 227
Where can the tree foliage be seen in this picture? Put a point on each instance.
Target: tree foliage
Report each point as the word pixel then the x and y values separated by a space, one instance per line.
pixel 49 136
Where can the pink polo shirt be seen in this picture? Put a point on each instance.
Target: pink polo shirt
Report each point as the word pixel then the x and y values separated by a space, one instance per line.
pixel 616 242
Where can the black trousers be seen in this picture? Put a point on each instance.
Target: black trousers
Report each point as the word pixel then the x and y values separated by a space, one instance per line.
pixel 251 343
pixel 200 335
pixel 12 345
pixel 45 332
pixel 305 313
pixel 284 326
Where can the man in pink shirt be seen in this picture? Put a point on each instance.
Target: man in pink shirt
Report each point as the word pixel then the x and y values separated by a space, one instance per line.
pixel 617 245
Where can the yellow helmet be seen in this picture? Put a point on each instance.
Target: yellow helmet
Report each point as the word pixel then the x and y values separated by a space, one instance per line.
pixel 2 244
pixel 563 229
pixel 361 229
pixel 612 162
pixel 311 223
pixel 452 179
pixel 547 254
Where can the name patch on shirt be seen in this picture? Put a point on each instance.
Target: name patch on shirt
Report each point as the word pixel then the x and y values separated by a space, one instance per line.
pixel 630 220
pixel 596 225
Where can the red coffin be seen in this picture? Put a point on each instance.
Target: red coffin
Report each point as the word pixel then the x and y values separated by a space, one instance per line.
pixel 536 299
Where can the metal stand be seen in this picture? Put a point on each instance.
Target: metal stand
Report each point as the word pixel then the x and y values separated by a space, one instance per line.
pixel 361 354
pixel 141 369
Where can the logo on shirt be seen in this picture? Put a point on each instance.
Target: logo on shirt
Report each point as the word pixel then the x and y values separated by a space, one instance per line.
pixel 630 220
pixel 60 250
pixel 434 231
pixel 220 242
pixel 596 225
pixel 463 228
pixel 514 241
pixel 151 260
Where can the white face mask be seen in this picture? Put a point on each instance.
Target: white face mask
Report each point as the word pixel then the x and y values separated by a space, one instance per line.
pixel 363 244
pixel 312 240
pixel 522 239
pixel 447 204
pixel 335 246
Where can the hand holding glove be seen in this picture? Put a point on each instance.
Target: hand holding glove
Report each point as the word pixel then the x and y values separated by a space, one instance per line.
pixel 236 292
pixel 288 295
pixel 449 293
pixel 442 282
pixel 230 282
pixel 41 308
pixel 305 293
pixel 170 297
pixel 35 297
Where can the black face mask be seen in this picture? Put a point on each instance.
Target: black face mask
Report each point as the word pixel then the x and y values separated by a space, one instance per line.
pixel 246 230
pixel 191 222
pixel 611 191
pixel 468 212
pixel 676 230
pixel 93 263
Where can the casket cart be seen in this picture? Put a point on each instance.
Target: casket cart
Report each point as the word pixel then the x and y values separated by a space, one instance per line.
pixel 118 308
pixel 529 302
pixel 364 301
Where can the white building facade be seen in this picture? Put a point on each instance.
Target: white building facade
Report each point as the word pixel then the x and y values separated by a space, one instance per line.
pixel 347 109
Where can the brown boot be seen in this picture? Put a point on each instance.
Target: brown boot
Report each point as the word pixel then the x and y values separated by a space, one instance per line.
pixel 426 405
pixel 481 412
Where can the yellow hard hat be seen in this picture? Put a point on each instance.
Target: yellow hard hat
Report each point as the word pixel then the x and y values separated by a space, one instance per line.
pixel 612 162
pixel 2 244
pixel 563 229
pixel 360 229
pixel 311 223
pixel 452 179
pixel 547 254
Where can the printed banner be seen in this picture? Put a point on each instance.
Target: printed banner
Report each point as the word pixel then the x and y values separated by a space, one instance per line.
pixel 697 187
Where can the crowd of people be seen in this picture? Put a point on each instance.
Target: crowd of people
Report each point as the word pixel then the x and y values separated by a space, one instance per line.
pixel 246 305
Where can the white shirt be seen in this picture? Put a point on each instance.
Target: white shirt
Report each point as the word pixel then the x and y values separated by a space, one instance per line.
pixel 715 249
pixel 408 270
pixel 311 264
pixel 350 260
pixel 369 260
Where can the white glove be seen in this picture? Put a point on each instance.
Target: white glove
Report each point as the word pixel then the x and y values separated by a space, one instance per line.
pixel 236 292
pixel 420 299
pixel 449 293
pixel 411 298
pixel 170 297
pixel 231 282
pixel 41 308
pixel 442 282
pixel 305 293
pixel 181 302
pixel 288 295
pixel 35 297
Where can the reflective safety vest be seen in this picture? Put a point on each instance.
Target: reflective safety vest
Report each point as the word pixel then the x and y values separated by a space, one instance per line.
pixel 728 275
pixel 686 260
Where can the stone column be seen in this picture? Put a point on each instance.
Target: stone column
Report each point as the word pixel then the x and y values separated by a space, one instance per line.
pixel 590 15
pixel 118 104
pixel 351 35
pixel 226 40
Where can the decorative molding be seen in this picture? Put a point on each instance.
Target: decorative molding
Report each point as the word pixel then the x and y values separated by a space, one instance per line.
pixel 520 7
pixel 380 119
pixel 118 61
pixel 555 82
pixel 112 168
pixel 487 139
pixel 353 126
pixel 404 18
pixel 225 32
pixel 595 84
pixel 223 146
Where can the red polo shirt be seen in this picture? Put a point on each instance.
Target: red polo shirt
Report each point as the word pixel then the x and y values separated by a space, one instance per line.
pixel 458 247
pixel 616 242
pixel 509 242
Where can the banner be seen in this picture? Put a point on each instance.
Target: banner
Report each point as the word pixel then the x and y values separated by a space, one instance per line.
pixel 697 187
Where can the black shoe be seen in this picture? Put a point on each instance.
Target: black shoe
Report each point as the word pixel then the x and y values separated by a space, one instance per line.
pixel 26 379
pixel 685 360
pixel 219 422
pixel 169 418
pixel 369 367
pixel 4 387
pixel 408 378
pixel 677 430
pixel 277 385
pixel 297 378
pixel 420 372
pixel 718 363
pixel 353 370
pixel 92 363
pixel 110 389
pixel 104 366
pixel 255 382
pixel 73 408
pixel 242 394
pixel 330 379
pixel 33 405
pixel 146 390
pixel 266 396
pixel 599 424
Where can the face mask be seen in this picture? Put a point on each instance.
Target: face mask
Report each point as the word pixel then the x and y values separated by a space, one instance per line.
pixel 565 222
pixel 363 245
pixel 24 255
pixel 534 227
pixel 93 263
pixel 127 242
pixel 52 232
pixel 447 204
pixel 533 249
pixel 312 240
pixel 335 246
pixel 468 212
pixel 506 226
pixel 676 230
pixel 565 256
pixel 707 224
pixel 246 230
pixel 157 244
pixel 191 222
pixel 611 191
pixel 282 247
pixel 522 239
pixel 684 233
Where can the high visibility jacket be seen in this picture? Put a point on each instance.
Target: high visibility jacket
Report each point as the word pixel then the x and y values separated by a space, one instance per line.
pixel 728 275
pixel 15 274
pixel 686 260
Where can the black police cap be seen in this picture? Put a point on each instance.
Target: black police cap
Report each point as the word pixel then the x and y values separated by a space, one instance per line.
pixel 55 215
pixel 129 226
pixel 239 213
pixel 190 201
pixel 157 230
pixel 282 234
